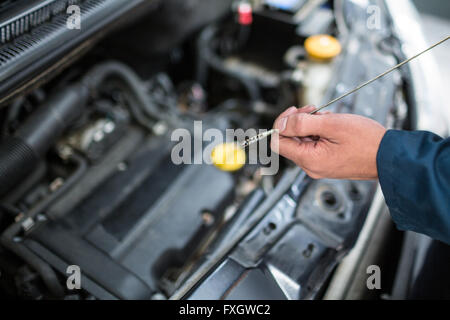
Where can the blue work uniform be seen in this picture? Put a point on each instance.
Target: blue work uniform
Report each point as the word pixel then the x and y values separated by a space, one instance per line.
pixel 414 174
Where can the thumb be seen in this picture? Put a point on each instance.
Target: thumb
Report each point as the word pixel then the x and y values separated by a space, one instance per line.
pixel 303 125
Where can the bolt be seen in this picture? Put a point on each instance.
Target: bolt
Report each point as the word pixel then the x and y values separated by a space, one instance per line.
pixel 56 184
pixel 122 166
pixel 208 218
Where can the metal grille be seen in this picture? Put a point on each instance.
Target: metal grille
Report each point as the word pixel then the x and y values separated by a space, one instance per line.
pixel 32 16
pixel 42 31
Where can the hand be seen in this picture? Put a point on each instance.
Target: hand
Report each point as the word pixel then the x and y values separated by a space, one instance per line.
pixel 345 146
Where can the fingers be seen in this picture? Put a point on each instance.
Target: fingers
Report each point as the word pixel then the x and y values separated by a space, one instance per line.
pixel 309 109
pixel 282 122
pixel 287 147
pixel 292 110
pixel 306 109
pixel 303 125
pixel 286 113
pixel 295 138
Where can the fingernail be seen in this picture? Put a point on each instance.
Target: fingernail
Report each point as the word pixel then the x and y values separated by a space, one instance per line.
pixel 282 124
pixel 291 110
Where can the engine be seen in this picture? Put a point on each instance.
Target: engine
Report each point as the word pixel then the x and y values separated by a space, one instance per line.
pixel 87 177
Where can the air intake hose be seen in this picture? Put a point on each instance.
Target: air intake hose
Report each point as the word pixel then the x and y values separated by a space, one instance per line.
pixel 20 153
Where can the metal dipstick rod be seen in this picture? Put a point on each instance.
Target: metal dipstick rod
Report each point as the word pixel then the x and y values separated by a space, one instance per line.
pixel 257 138
pixel 263 135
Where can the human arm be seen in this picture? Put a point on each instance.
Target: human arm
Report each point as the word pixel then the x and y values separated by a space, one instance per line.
pixel 413 167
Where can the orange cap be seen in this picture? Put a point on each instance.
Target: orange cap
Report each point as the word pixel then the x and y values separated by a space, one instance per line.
pixel 322 46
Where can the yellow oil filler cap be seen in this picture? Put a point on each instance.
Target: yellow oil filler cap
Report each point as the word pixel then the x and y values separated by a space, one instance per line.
pixel 228 157
pixel 322 47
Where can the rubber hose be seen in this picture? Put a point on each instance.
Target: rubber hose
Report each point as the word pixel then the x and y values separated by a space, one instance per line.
pixel 19 154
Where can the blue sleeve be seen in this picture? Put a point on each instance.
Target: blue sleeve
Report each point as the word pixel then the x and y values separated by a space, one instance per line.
pixel 414 174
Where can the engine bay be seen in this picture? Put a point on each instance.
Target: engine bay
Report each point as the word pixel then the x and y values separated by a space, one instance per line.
pixel 105 195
